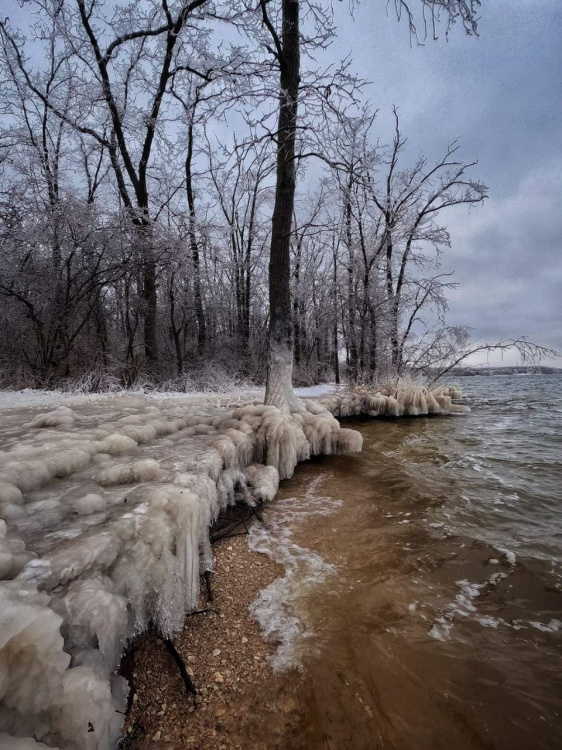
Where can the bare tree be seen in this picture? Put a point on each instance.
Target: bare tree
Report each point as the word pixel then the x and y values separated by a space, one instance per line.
pixel 111 53
pixel 409 203
pixel 149 172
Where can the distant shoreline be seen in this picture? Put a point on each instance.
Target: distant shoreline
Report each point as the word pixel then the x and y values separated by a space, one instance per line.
pixel 487 371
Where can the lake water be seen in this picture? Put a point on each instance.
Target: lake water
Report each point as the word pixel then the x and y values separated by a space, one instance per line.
pixel 423 594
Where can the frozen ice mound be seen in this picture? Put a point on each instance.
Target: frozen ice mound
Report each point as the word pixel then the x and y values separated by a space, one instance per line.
pixel 395 401
pixel 105 512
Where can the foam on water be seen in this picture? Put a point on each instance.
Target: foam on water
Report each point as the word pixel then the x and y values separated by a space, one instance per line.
pixel 274 608
pixel 448 624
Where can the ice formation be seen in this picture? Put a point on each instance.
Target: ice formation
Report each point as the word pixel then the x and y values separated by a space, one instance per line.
pixel 395 401
pixel 105 512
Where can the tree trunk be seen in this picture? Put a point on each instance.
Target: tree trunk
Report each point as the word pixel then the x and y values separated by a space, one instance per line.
pixel 279 388
pixel 335 329
pixel 149 297
pixel 297 308
pixel 175 331
pixel 336 355
pixel 351 302
pixel 246 311
pixel 193 245
pixel 391 295
pixel 373 364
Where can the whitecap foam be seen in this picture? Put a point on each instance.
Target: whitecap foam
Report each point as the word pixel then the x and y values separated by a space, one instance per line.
pixel 510 556
pixel 275 607
pixel 489 622
pixel 441 629
pixel 552 627
pixel 463 606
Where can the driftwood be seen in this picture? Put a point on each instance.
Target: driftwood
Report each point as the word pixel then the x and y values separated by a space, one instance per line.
pixel 187 681
pixel 230 519
pixel 208 585
pixel 127 666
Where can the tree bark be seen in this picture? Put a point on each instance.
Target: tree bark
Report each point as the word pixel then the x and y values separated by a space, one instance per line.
pixel 279 388
pixel 148 290
pixel 351 302
pixel 194 247
pixel 297 308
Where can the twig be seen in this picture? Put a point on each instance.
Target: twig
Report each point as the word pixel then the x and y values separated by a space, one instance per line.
pixel 187 681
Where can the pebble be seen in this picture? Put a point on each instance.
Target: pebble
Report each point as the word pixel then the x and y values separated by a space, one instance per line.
pixel 240 678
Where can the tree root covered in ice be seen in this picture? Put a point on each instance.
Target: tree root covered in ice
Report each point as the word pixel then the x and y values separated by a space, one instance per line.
pixel 107 518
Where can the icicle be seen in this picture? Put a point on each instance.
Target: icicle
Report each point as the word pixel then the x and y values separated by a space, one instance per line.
pixel 115 559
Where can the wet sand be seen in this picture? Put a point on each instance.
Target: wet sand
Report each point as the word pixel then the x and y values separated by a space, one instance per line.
pixel 240 702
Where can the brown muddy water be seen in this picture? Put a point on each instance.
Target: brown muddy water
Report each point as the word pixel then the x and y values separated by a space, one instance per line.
pixel 422 597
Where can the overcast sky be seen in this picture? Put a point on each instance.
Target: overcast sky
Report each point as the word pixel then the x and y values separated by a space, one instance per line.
pixel 501 95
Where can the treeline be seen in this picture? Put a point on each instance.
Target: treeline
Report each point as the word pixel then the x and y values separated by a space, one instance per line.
pixel 137 158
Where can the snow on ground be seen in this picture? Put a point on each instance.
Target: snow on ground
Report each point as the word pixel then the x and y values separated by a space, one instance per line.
pixel 30 398
pixel 323 389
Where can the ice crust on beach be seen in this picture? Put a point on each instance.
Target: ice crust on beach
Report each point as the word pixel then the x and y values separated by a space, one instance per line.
pixel 105 510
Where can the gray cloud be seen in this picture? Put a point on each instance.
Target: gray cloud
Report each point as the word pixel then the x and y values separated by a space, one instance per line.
pixel 500 94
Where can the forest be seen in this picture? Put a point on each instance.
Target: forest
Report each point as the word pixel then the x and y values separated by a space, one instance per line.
pixel 149 237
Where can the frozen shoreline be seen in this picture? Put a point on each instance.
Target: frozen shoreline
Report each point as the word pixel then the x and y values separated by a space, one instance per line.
pixel 240 701
pixel 75 555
